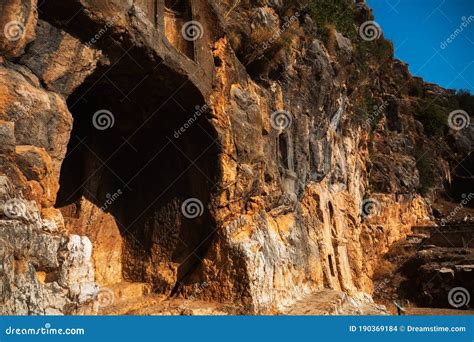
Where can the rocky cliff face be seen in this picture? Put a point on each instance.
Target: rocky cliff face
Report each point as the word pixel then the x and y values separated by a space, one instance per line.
pixel 248 153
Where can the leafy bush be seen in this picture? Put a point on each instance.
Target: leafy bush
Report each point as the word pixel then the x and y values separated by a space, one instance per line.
pixel 465 101
pixel 380 50
pixel 340 13
pixel 432 111
pixel 415 87
pixel 370 110
pixel 432 115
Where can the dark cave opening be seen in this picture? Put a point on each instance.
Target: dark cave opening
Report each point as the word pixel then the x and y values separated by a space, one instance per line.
pixel 180 7
pixel 462 184
pixel 125 157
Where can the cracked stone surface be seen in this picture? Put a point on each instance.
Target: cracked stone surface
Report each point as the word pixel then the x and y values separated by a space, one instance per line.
pixel 304 161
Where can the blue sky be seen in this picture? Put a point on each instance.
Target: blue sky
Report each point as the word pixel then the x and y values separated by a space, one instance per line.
pixel 419 30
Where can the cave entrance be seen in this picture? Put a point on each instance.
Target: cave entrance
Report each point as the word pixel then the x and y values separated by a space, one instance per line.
pixel 129 169
pixel 463 181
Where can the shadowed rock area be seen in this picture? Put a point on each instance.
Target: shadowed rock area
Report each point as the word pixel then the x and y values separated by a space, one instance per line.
pixel 211 157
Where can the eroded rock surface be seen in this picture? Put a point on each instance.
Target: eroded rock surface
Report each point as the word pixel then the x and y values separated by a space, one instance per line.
pixel 43 270
pixel 298 151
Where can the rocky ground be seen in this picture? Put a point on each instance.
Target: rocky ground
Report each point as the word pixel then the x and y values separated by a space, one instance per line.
pixel 423 269
pixel 324 302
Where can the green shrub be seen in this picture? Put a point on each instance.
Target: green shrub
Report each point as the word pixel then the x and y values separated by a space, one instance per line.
pixel 370 110
pixel 340 13
pixel 465 101
pixel 415 87
pixel 432 115
pixel 379 50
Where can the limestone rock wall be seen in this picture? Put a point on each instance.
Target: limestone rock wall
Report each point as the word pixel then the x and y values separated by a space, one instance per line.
pixel 298 222
pixel 44 270
pixel 300 191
